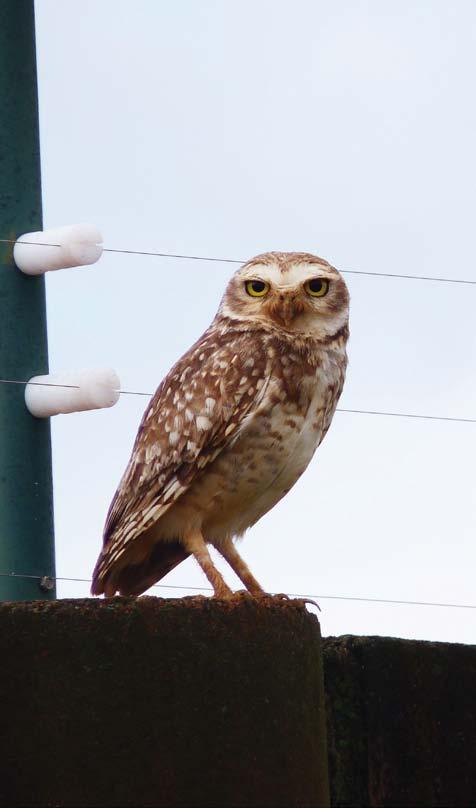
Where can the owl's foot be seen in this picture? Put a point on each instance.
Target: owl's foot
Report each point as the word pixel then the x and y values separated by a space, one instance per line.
pixel 256 591
pixel 258 594
pixel 245 594
pixel 309 600
pixel 223 592
pixel 283 596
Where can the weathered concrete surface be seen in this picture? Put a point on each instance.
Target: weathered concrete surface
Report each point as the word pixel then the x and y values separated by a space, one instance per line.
pixel 141 702
pixel 401 722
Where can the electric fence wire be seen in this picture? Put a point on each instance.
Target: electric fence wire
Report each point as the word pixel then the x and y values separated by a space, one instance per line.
pixel 339 409
pixel 387 601
pixel 239 261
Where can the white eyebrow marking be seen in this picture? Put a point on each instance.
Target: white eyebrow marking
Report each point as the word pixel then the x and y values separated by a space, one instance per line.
pixel 297 273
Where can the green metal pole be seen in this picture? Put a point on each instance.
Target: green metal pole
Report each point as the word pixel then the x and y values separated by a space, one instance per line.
pixel 26 491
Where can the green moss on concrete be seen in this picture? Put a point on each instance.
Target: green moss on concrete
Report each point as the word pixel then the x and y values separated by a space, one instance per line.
pixel 401 722
pixel 136 702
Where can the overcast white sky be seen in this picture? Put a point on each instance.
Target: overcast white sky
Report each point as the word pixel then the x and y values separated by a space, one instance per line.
pixel 230 128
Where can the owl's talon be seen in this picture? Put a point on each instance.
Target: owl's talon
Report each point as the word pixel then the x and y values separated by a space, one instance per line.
pixel 283 596
pixel 309 600
pixel 223 593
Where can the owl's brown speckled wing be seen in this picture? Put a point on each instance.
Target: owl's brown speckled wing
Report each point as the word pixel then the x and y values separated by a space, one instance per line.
pixel 195 413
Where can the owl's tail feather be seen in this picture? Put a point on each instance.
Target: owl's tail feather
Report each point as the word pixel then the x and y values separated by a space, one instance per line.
pixel 133 579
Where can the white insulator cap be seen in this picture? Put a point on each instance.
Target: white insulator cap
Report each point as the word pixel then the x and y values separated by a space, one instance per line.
pixel 79 245
pixel 72 392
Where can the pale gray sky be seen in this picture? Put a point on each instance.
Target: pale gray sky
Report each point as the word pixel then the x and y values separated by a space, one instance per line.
pixel 230 128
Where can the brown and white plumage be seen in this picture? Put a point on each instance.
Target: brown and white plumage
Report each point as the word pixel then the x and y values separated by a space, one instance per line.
pixel 231 427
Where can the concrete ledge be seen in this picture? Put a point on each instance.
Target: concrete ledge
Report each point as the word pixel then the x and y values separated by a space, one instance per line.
pixel 141 702
pixel 401 722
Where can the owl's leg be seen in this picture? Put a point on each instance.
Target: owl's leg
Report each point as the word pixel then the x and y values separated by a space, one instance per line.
pixel 229 552
pixel 195 544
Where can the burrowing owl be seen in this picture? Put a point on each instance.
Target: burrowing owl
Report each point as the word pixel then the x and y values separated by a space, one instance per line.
pixel 232 426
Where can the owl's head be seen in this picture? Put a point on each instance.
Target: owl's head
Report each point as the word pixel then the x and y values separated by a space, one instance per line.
pixel 296 292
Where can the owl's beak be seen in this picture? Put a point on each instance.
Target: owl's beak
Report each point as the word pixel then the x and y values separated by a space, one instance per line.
pixel 285 309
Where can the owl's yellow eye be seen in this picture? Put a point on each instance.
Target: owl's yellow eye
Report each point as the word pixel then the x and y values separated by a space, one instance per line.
pixel 257 288
pixel 317 287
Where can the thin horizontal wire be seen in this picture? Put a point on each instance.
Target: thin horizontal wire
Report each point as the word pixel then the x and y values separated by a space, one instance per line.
pixel 339 409
pixel 409 415
pixel 133 393
pixel 175 255
pixel 290 594
pixel 239 261
pixel 408 277
pixel 70 387
pixel 40 384
pixel 30 243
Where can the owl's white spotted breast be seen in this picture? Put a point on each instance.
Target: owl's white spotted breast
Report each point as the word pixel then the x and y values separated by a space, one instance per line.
pixel 273 447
